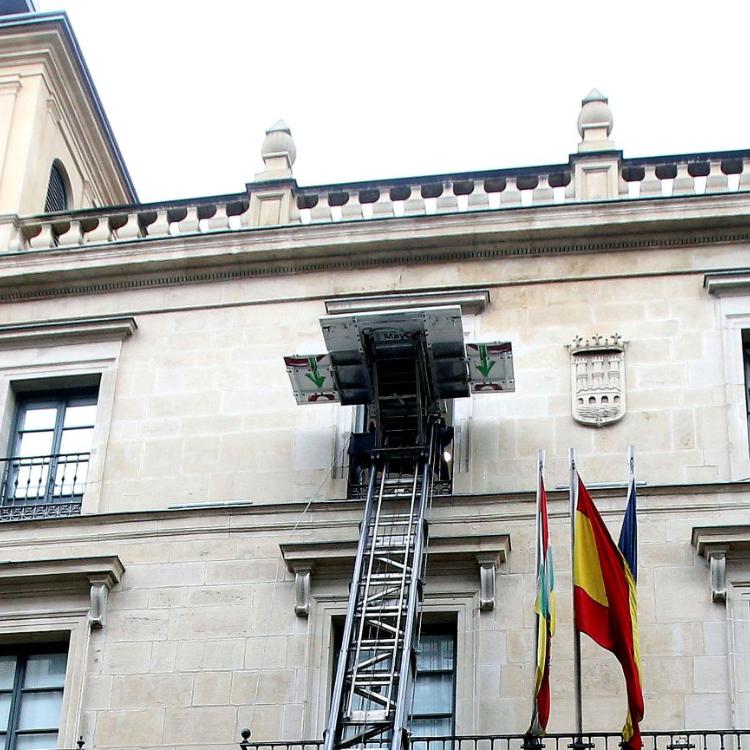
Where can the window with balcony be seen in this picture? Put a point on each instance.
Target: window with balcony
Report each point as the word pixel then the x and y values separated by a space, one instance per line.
pixel 31 693
pixel 48 459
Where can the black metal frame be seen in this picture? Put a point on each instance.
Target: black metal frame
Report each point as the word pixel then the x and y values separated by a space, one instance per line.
pixel 686 739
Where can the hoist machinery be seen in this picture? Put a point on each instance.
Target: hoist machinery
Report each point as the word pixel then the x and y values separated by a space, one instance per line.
pixel 402 367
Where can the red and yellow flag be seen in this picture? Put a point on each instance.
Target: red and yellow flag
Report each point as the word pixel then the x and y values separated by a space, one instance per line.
pixel 606 605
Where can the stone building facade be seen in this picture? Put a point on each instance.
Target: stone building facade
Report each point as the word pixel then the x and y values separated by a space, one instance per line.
pixel 177 539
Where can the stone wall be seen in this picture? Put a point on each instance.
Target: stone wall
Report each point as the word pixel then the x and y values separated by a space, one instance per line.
pixel 201 638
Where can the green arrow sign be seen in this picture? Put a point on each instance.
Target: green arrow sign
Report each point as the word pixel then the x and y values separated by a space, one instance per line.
pixel 314 373
pixel 485 363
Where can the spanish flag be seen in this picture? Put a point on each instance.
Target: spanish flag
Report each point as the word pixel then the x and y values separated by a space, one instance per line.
pixel 604 598
pixel 544 606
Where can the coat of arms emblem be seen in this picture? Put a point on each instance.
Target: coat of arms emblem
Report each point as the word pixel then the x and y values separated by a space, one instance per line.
pixel 598 379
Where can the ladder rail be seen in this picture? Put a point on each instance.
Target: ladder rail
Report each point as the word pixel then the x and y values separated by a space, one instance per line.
pixel 370 551
pixel 408 667
pixel 330 736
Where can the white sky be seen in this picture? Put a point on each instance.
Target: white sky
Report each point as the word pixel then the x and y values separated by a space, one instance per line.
pixel 390 89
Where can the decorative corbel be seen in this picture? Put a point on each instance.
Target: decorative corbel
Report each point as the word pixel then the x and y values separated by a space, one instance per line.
pixel 302 583
pixel 100 586
pixel 488 562
pixel 716 559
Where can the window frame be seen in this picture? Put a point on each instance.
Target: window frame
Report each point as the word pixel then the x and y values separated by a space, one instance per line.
pixel 60 398
pixel 22 652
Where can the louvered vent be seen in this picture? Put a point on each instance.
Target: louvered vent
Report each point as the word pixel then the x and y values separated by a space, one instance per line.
pixel 57 195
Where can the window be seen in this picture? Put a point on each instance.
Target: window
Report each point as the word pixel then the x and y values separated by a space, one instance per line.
pixel 434 701
pixel 49 453
pixel 433 709
pixel 57 189
pixel 31 691
pixel 746 359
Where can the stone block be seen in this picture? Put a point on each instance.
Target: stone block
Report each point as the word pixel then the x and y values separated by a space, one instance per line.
pixel 151 690
pixel 165 574
pixel 267 652
pixel 126 658
pixel 715 638
pixel 493 648
pixel 129 728
pixel 212 688
pixel 215 654
pixel 707 712
pixel 711 674
pixel 97 692
pixel 163 656
pixel 197 725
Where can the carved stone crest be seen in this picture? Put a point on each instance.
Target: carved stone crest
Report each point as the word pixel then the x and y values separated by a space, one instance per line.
pixel 597 378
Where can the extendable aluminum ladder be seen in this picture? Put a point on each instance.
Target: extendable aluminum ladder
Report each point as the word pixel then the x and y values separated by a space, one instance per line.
pixel 376 667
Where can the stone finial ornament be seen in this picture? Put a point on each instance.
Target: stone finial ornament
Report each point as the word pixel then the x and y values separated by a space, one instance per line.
pixel 595 123
pixel 279 142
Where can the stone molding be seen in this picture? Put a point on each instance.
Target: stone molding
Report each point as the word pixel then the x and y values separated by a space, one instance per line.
pixel 486 553
pixel 71 331
pixel 99 573
pixel 472 301
pixel 715 544
pixel 721 283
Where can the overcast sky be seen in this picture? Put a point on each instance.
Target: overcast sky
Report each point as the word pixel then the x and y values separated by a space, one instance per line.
pixel 390 89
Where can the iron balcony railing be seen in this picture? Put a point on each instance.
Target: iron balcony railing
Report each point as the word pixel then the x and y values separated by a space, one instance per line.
pixel 42 486
pixel 693 739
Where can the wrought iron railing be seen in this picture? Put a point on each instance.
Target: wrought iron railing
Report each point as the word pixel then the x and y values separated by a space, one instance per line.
pixel 689 739
pixel 42 486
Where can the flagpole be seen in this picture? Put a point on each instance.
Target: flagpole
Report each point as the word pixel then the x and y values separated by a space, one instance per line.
pixel 537 558
pixel 576 633
pixel 631 465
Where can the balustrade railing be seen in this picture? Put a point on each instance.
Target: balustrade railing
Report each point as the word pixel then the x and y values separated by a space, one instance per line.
pixel 692 739
pixel 667 176
pixel 42 486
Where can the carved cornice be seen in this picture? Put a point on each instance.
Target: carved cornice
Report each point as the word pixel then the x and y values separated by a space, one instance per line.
pixel 720 283
pixel 98 573
pixel 71 331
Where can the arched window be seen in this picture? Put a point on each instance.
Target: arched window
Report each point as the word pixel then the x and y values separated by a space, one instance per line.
pixel 57 190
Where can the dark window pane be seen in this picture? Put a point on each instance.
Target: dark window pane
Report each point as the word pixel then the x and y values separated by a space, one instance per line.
pixel 39 418
pixel 80 416
pixel 37 741
pixel 45 670
pixel 7 671
pixel 433 694
pixel 40 710
pixel 5 699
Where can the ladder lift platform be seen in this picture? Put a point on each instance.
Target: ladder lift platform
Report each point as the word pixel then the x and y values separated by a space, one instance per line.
pixel 404 365
pixel 343 374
